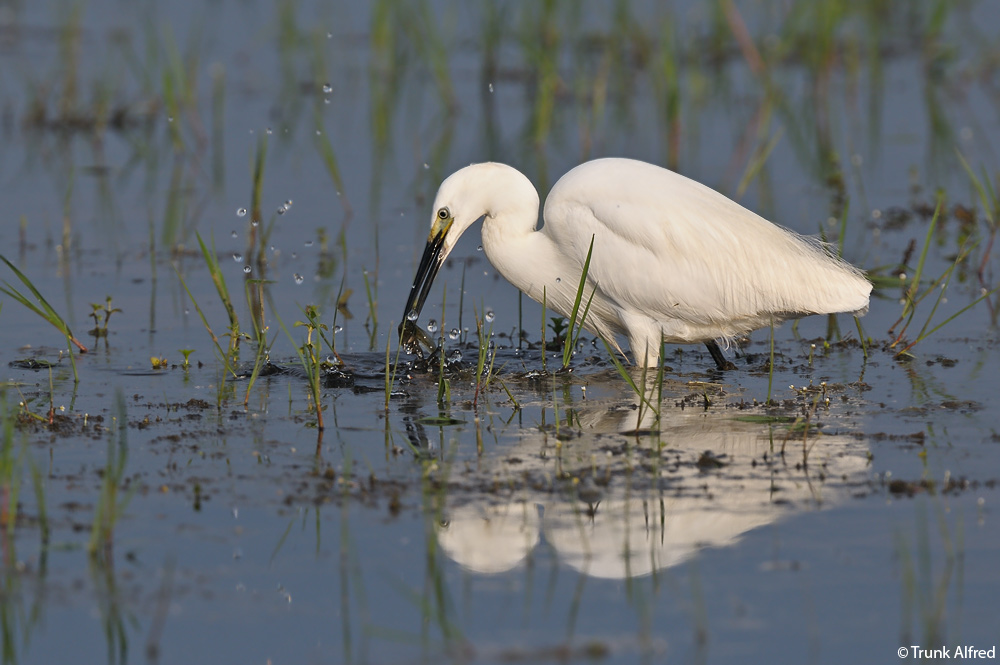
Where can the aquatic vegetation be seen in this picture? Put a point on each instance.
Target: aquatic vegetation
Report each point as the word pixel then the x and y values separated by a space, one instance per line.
pixel 444 386
pixel 391 368
pixel 308 354
pixel 990 202
pixel 101 315
pixel 912 296
pixel 219 280
pixel 42 308
pixel 486 352
pixel 575 327
pixel 371 323
pixel 110 503
pixel 223 355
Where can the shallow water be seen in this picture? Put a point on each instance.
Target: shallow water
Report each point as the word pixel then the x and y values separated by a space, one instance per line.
pixel 530 521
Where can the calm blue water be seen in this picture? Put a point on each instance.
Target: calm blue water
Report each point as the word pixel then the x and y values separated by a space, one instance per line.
pixel 247 537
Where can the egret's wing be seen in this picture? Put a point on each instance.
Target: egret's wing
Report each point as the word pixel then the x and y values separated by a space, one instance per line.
pixel 672 248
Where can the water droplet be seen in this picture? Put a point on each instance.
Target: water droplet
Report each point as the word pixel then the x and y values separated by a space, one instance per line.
pixel 558 280
pixel 233 234
pixel 491 87
pixel 170 118
pixel 309 243
pixel 186 311
pixel 412 315
pixel 337 329
pixel 330 359
pixel 298 278
pixel 327 88
pixel 318 133
pixel 326 100
pixel 489 315
pixel 237 257
pixel 288 203
pixel 432 326
pixel 454 333
pixel 241 212
pixel 479 249
pixel 254 223
pixel 455 356
pixel 295 255
pixel 268 130
pixel 281 210
pixel 247 269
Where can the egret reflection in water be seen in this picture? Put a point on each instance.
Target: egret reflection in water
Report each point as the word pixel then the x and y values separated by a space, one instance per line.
pixel 716 479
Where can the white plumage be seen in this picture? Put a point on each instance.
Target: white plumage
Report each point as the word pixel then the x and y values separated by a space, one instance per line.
pixel 671 258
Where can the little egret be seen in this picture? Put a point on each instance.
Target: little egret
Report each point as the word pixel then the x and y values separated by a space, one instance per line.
pixel 672 259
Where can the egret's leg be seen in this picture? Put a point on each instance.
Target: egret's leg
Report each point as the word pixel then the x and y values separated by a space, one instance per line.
pixel 720 360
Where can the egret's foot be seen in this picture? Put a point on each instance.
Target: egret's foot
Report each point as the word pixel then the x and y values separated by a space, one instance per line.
pixel 721 363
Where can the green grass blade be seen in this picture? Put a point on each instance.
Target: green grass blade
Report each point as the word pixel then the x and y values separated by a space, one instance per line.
pixel 624 373
pixel 215 340
pixel 915 283
pixel 42 308
pixel 569 341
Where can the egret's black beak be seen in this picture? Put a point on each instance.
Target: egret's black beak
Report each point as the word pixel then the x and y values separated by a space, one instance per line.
pixel 430 263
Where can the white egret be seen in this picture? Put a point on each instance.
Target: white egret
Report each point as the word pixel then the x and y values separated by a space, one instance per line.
pixel 672 258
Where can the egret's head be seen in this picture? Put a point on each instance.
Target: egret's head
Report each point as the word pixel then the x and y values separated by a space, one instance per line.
pixel 462 199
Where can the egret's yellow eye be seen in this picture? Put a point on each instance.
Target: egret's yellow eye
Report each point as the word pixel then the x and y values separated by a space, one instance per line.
pixel 444 213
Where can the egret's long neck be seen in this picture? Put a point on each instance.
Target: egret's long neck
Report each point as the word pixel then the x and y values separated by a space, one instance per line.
pixel 511 216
